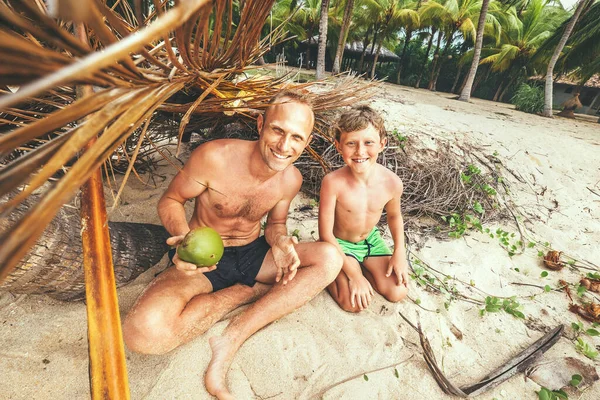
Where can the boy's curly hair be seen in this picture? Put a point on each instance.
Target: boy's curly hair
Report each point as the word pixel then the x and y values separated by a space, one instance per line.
pixel 357 118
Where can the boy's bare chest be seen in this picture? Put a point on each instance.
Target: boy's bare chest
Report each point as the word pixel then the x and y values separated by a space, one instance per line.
pixel 363 201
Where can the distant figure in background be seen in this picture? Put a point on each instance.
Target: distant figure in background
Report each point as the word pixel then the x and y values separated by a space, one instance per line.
pixel 569 106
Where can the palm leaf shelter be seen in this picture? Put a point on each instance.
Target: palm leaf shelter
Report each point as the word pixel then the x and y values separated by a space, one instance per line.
pixel 71 72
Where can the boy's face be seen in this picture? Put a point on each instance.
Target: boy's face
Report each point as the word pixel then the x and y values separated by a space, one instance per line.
pixel 360 149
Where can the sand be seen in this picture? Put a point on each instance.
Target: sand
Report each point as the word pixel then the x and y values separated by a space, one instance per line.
pixel 321 351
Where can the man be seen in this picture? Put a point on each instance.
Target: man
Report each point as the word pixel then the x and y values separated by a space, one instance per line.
pixel 235 184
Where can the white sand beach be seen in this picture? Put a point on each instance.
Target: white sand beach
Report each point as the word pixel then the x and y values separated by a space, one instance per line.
pixel 321 351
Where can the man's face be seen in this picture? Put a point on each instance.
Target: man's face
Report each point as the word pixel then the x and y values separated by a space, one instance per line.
pixel 285 130
pixel 360 149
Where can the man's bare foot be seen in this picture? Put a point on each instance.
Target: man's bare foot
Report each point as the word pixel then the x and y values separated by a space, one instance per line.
pixel 223 351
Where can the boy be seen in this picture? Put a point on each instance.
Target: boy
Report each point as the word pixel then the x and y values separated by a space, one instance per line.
pixel 352 201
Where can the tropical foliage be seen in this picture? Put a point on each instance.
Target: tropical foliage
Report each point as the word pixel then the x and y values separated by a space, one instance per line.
pixel 435 40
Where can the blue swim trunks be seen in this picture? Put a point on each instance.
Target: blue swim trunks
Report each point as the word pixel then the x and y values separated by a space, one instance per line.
pixel 372 246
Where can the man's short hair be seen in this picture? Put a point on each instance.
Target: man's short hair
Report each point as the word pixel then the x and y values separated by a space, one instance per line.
pixel 358 118
pixel 295 96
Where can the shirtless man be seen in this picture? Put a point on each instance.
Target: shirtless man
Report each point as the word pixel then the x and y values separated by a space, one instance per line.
pixel 235 183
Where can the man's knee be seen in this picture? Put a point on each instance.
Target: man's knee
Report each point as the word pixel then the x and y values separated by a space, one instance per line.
pixel 148 333
pixel 332 260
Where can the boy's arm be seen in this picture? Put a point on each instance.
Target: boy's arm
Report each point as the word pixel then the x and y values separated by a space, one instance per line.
pixel 398 262
pixel 327 202
pixel 283 246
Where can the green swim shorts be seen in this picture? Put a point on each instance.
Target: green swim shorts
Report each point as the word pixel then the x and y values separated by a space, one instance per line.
pixel 372 246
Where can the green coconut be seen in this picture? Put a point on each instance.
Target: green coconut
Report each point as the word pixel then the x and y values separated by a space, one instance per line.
pixel 201 246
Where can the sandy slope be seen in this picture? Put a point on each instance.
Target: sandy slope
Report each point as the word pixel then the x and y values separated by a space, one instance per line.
pixel 43 345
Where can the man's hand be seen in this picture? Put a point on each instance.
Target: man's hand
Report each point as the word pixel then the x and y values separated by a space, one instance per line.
pixel 361 292
pixel 400 267
pixel 286 258
pixel 184 265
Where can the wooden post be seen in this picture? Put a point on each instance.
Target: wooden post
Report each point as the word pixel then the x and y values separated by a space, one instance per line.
pixel 108 372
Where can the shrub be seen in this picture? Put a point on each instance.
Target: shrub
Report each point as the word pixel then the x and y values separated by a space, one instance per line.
pixel 529 99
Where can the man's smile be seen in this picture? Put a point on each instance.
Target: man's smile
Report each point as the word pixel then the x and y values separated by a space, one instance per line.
pixel 278 155
pixel 359 160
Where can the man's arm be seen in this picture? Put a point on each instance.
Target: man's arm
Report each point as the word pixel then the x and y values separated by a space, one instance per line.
pixel 184 186
pixel 282 246
pixel 398 262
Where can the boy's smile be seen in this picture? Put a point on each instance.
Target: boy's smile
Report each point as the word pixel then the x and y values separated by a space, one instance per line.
pixel 360 149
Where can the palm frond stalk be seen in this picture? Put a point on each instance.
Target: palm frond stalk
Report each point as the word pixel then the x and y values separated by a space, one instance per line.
pixel 188 58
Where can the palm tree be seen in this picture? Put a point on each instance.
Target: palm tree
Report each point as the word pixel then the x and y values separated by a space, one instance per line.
pixel 520 39
pixel 390 15
pixel 410 26
pixel 339 53
pixel 305 23
pixel 322 39
pixel 465 94
pixel 454 16
pixel 550 71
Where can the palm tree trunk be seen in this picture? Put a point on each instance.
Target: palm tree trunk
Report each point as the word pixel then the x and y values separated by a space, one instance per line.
pixel 435 60
pixel 550 71
pixel 401 61
pixel 339 54
pixel 499 90
pixel 442 59
pixel 322 39
pixel 460 67
pixel 430 42
pixel 465 93
pixel 510 83
pixel 375 58
pixel 364 50
pixel 54 265
pixel 479 79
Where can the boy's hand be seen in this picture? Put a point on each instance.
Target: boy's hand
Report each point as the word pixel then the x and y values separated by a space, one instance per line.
pixel 400 267
pixel 361 292
pixel 184 265
pixel 286 258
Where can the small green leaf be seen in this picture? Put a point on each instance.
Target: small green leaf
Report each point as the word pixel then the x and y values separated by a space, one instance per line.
pixel 397 375
pixel 366 378
pixel 592 332
pixel 576 380
pixel 560 394
pixel 417 301
pixel 575 326
pixel 540 253
pixel 531 244
pixel 478 207
pixel 544 394
pixel 544 274
pixel 547 288
pixel 517 269
pixel 581 290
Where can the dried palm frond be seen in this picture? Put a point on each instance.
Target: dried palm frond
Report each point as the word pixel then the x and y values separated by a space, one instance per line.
pixel 186 58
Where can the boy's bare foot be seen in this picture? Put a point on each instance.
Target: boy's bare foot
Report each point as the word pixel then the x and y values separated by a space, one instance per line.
pixel 223 351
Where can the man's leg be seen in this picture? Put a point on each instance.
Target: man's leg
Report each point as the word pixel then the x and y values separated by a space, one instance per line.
pixel 178 306
pixel 322 263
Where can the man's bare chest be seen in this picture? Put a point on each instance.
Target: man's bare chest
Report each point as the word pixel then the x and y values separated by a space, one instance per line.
pixel 240 201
